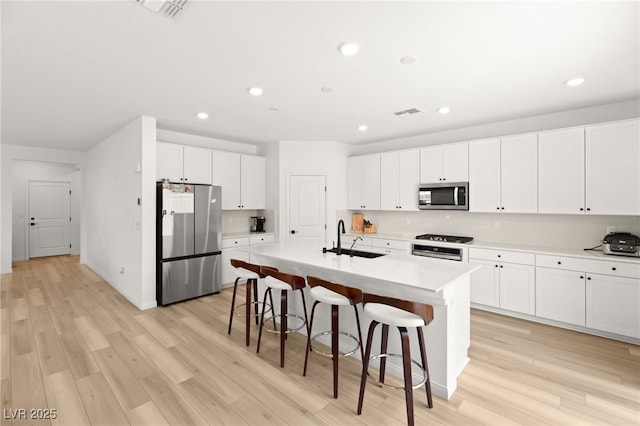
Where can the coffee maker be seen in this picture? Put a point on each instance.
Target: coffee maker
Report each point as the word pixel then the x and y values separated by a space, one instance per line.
pixel 257 223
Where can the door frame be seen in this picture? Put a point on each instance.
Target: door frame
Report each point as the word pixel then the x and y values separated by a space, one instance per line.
pixel 27 236
pixel 288 206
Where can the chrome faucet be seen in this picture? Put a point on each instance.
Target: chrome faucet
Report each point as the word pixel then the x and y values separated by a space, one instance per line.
pixel 353 244
pixel 340 223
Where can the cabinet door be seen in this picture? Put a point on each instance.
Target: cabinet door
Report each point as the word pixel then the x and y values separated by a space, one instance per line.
pixel 372 182
pixel 561 171
pixel 560 295
pixel 226 173
pixel 455 162
pixel 169 161
pixel 252 182
pixel 484 175
pixel 485 283
pixel 355 183
pixel 612 168
pixel 519 174
pixel 517 288
pixel 613 304
pixel 389 180
pixel 197 165
pixel 431 164
pixel 409 164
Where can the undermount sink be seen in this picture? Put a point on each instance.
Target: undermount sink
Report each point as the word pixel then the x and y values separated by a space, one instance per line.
pixel 357 253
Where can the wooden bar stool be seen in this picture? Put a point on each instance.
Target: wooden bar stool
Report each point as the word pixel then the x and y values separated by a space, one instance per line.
pixel 401 314
pixel 251 273
pixel 285 283
pixel 335 295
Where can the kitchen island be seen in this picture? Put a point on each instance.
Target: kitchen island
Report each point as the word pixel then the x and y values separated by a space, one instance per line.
pixel 441 283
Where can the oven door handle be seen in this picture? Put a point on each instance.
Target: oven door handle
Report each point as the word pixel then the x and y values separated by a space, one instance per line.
pixel 438 255
pixel 455 196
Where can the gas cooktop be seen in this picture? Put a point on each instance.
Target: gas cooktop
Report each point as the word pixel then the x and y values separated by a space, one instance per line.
pixel 445 238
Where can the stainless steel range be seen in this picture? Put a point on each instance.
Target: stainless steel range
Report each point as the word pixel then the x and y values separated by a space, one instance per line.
pixel 441 251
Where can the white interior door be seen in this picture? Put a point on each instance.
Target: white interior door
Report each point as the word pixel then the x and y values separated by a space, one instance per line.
pixel 49 214
pixel 307 215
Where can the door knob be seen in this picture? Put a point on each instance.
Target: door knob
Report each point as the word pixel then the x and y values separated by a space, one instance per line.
pixel 33 223
pixel 293 231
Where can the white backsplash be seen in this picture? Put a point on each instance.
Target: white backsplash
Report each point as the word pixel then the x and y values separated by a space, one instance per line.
pixel 560 231
pixel 234 221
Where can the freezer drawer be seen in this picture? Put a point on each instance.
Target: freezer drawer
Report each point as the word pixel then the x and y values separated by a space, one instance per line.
pixel 188 278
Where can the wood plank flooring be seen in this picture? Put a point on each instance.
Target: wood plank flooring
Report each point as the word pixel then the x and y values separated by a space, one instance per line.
pixel 70 342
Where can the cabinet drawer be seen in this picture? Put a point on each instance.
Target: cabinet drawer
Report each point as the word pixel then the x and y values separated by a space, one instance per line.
pixel 596 266
pixel 261 239
pixel 502 256
pixel 390 244
pixel 235 242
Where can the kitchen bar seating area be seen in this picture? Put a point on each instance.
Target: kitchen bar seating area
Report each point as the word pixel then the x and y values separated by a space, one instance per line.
pixel 72 343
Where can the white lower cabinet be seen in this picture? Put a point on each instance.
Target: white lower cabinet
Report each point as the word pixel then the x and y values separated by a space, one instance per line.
pixel 613 304
pixel 239 248
pixel 560 295
pixel 506 280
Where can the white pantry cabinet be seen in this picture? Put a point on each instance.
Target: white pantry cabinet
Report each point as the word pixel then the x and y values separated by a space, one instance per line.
pixel 503 174
pixel 242 178
pixel 444 163
pixel 612 154
pixel 513 278
pixel 180 163
pixel 399 176
pixel 363 185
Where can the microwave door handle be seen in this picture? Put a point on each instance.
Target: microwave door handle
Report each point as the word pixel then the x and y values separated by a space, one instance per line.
pixel 455 196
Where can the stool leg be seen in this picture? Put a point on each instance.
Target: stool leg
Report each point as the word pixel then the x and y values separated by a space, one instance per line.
pixel 306 355
pixel 273 310
pixel 425 366
pixel 383 350
pixel 304 308
pixel 255 297
pixel 264 301
pixel 334 346
pixel 408 382
pixel 365 365
pixel 283 323
pixel 247 311
pixel 355 308
pixel 233 304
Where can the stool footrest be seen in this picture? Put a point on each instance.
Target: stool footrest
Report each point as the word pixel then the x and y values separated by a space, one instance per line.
pixel 340 354
pixel 238 312
pixel 288 330
pixel 380 384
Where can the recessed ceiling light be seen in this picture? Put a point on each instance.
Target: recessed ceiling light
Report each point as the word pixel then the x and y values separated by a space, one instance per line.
pixel 362 127
pixel 444 110
pixel 574 82
pixel 274 108
pixel 255 91
pixel 348 48
pixel 326 89
pixel 407 60
pixel 202 115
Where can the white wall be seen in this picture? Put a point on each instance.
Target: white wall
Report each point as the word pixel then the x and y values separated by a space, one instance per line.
pixel 205 142
pixel 577 117
pixel 313 158
pixel 11 153
pixel 119 234
pixel 22 173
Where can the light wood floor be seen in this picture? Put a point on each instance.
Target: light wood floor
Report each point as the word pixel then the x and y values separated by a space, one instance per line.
pixel 71 343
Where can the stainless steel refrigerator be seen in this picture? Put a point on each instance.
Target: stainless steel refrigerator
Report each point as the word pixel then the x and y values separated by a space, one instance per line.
pixel 188 240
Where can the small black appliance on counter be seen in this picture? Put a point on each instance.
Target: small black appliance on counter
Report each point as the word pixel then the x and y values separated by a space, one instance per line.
pixel 257 224
pixel 622 244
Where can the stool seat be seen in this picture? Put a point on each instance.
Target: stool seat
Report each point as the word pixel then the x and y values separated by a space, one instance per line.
pixel 277 284
pixel 390 315
pixel 246 274
pixel 324 295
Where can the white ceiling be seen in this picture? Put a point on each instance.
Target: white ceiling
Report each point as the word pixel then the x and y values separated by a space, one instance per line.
pixel 75 72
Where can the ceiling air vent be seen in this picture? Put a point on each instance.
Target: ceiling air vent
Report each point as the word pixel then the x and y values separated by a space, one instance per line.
pixel 407 112
pixel 166 7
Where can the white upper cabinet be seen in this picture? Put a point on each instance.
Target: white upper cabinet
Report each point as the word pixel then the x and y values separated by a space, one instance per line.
pixel 612 154
pixel 242 178
pixel 444 163
pixel 399 180
pixel 180 163
pixel 503 175
pixel 364 182
pixel 561 171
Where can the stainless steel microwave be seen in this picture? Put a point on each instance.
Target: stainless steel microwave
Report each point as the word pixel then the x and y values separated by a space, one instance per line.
pixel 443 196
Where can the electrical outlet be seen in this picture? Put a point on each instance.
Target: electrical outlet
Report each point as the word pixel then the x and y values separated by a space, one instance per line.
pixel 408 221
pixel 611 229
pixel 496 225
pixel 121 272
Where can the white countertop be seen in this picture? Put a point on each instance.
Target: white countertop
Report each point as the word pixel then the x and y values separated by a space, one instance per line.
pixel 244 234
pixel 432 275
